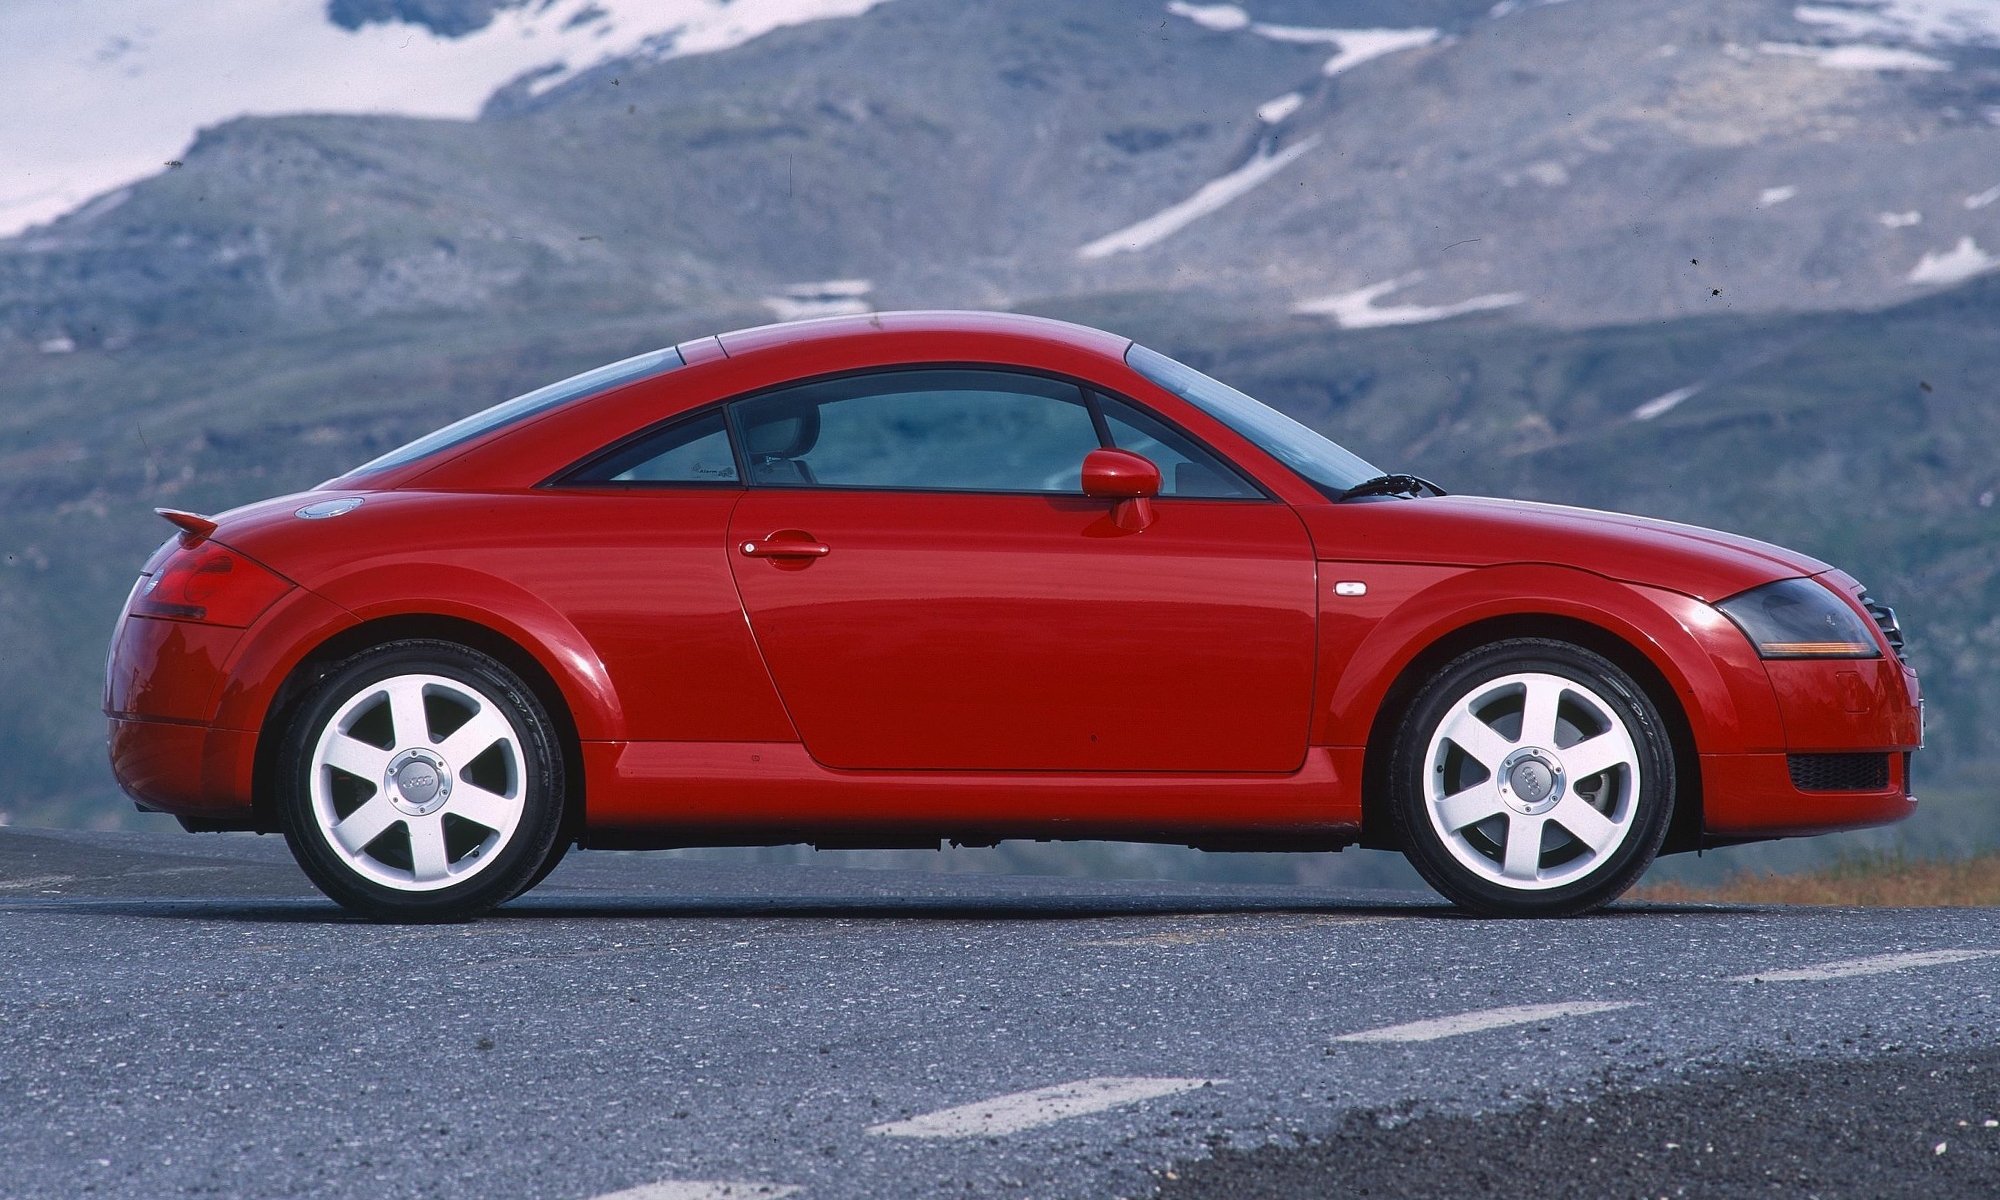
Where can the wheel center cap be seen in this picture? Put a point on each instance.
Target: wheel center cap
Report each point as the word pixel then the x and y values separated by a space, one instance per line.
pixel 1531 781
pixel 418 782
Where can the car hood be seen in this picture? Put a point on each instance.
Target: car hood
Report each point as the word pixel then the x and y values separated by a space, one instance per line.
pixel 1477 531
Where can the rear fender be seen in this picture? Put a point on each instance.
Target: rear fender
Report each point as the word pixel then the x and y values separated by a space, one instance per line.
pixel 381 592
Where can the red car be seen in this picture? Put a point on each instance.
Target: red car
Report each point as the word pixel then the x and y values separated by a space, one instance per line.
pixel 881 581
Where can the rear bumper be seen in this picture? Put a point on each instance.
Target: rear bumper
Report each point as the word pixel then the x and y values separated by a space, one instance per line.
pixel 1753 796
pixel 186 769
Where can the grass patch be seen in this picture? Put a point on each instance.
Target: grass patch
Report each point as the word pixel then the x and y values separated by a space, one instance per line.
pixel 1888 880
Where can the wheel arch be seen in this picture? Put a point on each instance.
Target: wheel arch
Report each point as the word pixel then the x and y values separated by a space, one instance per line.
pixel 318 662
pixel 1377 824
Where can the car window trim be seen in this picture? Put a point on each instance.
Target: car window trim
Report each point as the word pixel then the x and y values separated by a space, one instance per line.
pixel 1088 390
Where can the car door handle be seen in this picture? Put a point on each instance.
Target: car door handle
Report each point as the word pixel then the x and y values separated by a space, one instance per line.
pixel 785 548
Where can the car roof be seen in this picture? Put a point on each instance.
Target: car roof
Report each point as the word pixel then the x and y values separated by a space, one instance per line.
pixel 743 342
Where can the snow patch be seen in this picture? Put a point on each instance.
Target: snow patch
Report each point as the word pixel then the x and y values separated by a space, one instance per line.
pixel 1776 195
pixel 1902 220
pixel 1207 199
pixel 1357 309
pixel 1982 199
pixel 1509 7
pixel 1547 173
pixel 1858 57
pixel 102 93
pixel 1660 406
pixel 1955 265
pixel 1924 22
pixel 1223 18
pixel 1273 111
pixel 825 298
pixel 1352 46
pixel 62 343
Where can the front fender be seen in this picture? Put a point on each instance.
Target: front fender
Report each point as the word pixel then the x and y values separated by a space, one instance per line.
pixel 1713 672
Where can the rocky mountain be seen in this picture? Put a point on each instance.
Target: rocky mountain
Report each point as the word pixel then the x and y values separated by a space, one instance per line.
pixel 1600 160
pixel 1718 260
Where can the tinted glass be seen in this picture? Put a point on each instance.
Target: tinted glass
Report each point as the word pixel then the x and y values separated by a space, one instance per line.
pixel 988 431
pixel 1331 467
pixel 520 408
pixel 1186 470
pixel 692 452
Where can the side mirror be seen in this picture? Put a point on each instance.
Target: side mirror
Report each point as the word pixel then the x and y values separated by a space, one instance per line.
pixel 1119 475
pixel 1131 479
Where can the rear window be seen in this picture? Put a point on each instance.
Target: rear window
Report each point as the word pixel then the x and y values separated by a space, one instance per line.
pixel 520 408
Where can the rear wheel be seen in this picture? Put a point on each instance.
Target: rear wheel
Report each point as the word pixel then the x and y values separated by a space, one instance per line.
pixel 421 781
pixel 1532 778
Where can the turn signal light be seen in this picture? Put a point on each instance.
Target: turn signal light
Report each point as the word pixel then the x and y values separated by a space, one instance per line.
pixel 208 583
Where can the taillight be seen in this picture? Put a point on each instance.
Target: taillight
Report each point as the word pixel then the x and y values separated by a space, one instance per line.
pixel 209 583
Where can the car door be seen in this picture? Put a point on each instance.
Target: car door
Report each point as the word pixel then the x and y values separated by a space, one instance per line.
pixel 931 589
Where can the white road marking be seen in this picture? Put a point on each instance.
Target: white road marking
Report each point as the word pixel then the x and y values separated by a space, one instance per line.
pixel 1485 1018
pixel 701 1189
pixel 1876 965
pixel 1043 1106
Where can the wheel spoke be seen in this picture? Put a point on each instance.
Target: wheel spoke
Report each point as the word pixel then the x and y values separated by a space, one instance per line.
pixel 1586 824
pixel 406 708
pixel 427 860
pixel 357 758
pixel 365 824
pixel 1601 753
pixel 482 807
pixel 1478 739
pixel 1470 806
pixel 1538 712
pixel 1524 846
pixel 471 739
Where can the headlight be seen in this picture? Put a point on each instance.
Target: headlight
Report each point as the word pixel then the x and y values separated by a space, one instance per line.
pixel 1800 618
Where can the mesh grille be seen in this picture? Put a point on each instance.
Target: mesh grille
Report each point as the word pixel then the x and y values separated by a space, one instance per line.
pixel 1839 772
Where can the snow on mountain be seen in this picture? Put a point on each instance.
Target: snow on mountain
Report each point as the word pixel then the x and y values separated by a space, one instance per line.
pixel 1927 22
pixel 1357 309
pixel 102 93
pixel 1210 197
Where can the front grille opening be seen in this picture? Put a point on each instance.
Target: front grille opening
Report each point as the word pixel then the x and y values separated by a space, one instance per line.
pixel 1839 772
pixel 1885 619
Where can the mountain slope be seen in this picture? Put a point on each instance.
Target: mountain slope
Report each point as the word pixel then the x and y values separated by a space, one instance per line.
pixel 1601 160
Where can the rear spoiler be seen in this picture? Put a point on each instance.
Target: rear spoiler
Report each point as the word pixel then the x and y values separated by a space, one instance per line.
pixel 194 524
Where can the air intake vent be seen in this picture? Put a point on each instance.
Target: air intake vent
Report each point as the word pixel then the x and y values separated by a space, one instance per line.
pixel 1886 618
pixel 1839 772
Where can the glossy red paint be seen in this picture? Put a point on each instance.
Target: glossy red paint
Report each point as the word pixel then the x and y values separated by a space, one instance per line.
pixel 893 667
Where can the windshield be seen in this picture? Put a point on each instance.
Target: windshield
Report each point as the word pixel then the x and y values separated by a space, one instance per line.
pixel 1329 467
pixel 520 408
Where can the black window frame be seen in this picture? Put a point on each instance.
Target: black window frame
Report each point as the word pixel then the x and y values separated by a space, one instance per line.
pixel 1088 390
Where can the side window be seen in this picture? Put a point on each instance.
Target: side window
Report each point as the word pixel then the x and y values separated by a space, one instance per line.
pixel 934 430
pixel 690 452
pixel 1186 470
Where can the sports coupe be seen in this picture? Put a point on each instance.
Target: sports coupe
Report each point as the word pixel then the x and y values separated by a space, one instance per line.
pixel 890 580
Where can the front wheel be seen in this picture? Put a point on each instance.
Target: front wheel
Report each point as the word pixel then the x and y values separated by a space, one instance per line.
pixel 1532 778
pixel 421 781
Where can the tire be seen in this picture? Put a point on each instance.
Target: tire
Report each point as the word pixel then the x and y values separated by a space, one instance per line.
pixel 421 781
pixel 1505 825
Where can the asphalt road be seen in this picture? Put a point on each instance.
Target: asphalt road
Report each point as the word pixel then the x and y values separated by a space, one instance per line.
pixel 182 1016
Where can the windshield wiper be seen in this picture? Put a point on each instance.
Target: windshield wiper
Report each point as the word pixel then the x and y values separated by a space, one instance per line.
pixel 1391 485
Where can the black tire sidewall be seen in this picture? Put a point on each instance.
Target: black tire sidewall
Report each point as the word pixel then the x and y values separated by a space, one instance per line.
pixel 1409 771
pixel 512 870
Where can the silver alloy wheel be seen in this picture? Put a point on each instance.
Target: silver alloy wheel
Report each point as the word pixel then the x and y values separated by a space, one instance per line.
pixel 1533 781
pixel 417 782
